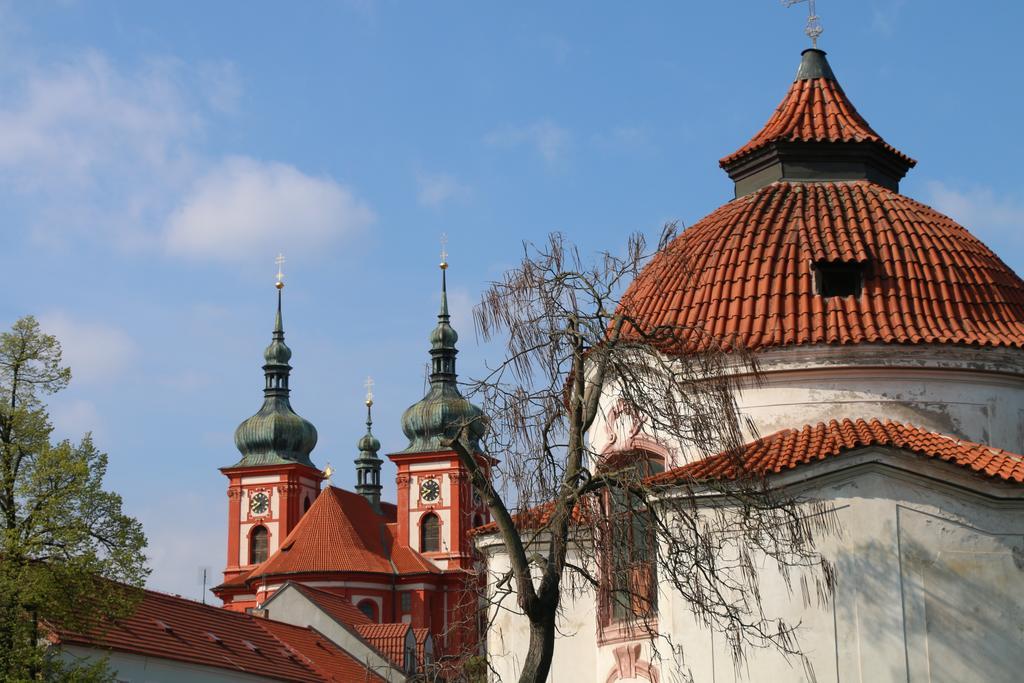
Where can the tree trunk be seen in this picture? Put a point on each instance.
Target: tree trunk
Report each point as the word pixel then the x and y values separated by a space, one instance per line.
pixel 542 648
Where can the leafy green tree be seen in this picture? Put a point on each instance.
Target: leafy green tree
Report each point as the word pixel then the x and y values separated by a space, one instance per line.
pixel 67 551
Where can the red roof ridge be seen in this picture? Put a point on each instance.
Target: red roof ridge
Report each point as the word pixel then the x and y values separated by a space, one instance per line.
pixel 790 448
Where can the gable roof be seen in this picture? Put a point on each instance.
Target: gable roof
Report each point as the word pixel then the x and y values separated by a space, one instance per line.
pixel 338 607
pixel 169 627
pixel 792 448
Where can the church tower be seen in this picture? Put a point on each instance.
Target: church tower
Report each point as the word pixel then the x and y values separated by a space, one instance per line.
pixel 436 502
pixel 275 482
pixel 368 463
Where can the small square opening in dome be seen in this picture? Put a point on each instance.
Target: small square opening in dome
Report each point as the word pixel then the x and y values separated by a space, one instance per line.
pixel 838 278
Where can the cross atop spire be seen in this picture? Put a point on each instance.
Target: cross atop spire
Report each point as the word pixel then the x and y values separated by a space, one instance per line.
pixel 368 384
pixel 280 273
pixel 813 28
pixel 444 251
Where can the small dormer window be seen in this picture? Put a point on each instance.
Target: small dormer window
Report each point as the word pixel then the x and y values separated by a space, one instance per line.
pixel 838 278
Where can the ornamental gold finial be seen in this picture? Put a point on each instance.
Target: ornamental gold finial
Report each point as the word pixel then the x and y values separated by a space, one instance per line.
pixel 328 471
pixel 369 391
pixel 280 273
pixel 444 250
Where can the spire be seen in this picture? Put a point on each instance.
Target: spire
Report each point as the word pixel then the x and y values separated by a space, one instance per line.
pixel 444 337
pixel 276 434
pixel 368 464
pixel 815 134
pixel 443 412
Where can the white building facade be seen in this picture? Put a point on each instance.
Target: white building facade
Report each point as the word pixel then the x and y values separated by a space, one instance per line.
pixel 890 344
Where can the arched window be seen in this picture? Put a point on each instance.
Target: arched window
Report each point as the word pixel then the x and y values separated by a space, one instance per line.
pixel 305 505
pixel 430 533
pixel 258 545
pixel 630 582
pixel 369 608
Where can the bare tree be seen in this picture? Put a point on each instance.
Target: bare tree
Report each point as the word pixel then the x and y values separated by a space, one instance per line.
pixel 571 518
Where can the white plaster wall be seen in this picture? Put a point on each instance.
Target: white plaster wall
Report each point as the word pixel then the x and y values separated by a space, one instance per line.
pixel 930 572
pixel 131 668
pixel 508 638
pixel 928 589
pixel 973 394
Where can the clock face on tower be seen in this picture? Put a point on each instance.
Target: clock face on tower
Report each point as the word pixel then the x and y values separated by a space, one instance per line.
pixel 259 504
pixel 430 490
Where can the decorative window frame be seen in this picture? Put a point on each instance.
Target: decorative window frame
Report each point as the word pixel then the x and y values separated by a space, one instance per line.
pixel 611 629
pixel 248 543
pixel 420 529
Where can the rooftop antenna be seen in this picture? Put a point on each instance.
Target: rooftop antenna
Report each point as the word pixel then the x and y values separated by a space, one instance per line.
pixel 202 576
pixel 813 29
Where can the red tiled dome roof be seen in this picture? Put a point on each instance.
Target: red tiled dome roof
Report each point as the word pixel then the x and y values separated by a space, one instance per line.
pixel 743 275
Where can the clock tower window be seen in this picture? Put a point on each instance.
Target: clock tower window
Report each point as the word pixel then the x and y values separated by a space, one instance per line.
pixel 430 533
pixel 258 544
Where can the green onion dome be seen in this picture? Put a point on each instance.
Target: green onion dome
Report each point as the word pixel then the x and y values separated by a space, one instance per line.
pixel 439 416
pixel 276 434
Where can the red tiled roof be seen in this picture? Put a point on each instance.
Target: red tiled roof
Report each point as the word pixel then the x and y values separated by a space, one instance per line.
pixel 330 661
pixel 173 628
pixel 536 517
pixel 341 532
pixel 743 274
pixel 814 110
pixel 337 606
pixel 388 639
pixel 792 448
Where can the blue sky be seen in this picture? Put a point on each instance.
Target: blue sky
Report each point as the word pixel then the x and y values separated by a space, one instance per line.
pixel 154 158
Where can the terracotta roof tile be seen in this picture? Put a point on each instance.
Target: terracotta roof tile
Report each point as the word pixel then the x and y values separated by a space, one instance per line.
pixel 173 628
pixel 389 639
pixel 341 532
pixel 793 448
pixel 536 517
pixel 814 110
pixel 320 654
pixel 743 275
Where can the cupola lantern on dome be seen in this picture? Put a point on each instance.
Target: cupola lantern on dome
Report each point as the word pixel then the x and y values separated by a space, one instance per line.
pixel 443 413
pixel 815 135
pixel 276 434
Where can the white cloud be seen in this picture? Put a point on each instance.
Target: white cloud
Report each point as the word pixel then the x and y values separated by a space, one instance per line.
pixel 548 139
pixel 221 85
pixel 433 190
pixel 64 123
pixel 243 206
pixel 94 351
pixel 73 418
pixel 182 544
pixel 979 209
pixel 885 16
pixel 113 155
